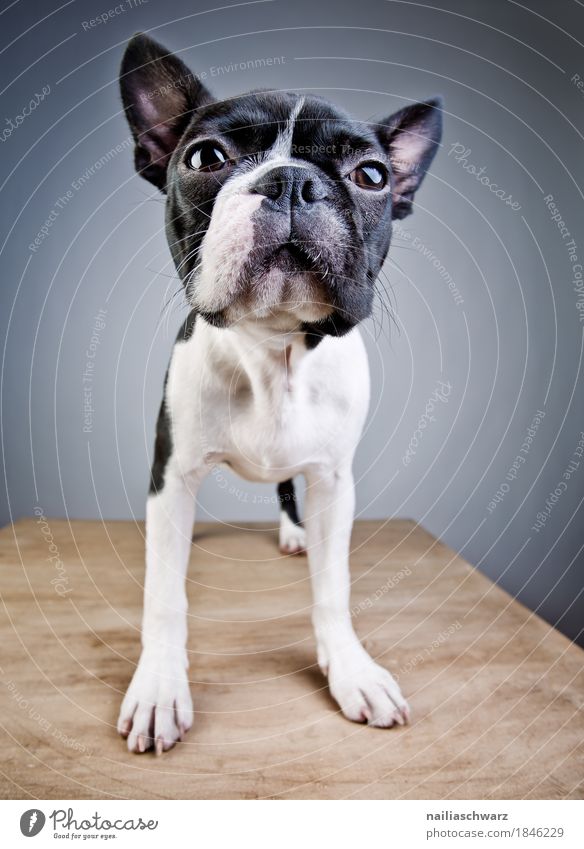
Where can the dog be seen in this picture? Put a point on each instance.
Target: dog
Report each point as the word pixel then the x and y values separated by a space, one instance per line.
pixel 279 212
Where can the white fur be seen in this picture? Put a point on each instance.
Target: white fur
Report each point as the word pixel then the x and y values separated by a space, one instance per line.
pixel 283 144
pixel 252 396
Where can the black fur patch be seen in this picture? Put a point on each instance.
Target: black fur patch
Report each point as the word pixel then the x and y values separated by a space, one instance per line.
pixel 162 448
pixel 163 441
pixel 287 498
pixel 187 328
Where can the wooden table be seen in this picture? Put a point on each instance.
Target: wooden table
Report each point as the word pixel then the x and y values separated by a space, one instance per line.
pixel 496 693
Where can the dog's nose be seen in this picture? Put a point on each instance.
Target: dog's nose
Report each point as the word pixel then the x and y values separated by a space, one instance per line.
pixel 290 186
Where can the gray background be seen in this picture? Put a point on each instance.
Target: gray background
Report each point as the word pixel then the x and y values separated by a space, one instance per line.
pixel 511 348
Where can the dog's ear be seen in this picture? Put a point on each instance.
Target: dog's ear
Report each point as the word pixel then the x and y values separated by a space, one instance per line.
pixel 412 137
pixel 159 94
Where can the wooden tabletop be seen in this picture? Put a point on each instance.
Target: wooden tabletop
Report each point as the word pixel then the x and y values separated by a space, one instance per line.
pixel 496 694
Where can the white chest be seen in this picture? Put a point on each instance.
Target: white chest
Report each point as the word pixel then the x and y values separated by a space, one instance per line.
pixel 268 413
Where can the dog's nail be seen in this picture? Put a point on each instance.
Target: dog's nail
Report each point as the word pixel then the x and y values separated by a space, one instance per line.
pixel 159 745
pixel 125 727
pixel 141 743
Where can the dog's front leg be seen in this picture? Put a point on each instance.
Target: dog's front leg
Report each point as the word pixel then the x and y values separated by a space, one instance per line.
pixel 364 690
pixel 157 709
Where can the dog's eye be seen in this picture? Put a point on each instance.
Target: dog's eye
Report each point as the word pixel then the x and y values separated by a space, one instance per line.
pixel 370 176
pixel 206 156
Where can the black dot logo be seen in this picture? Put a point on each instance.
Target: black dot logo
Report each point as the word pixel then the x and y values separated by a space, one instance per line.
pixel 32 822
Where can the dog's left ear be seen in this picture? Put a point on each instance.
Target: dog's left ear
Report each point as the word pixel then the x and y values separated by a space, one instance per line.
pixel 159 94
pixel 412 137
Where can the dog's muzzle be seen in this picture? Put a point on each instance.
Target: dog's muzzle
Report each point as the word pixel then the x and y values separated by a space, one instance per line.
pixel 284 241
pixel 292 224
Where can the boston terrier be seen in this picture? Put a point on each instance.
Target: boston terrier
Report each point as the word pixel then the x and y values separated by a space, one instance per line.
pixel 279 209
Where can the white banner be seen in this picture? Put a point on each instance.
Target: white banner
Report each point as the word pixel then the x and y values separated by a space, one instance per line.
pixel 293 824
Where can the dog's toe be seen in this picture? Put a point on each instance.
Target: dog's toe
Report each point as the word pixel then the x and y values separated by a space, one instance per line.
pixel 154 727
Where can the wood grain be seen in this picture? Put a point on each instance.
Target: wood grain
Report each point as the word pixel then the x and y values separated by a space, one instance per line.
pixel 496 693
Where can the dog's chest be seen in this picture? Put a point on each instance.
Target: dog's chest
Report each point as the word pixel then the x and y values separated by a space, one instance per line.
pixel 274 422
pixel 267 413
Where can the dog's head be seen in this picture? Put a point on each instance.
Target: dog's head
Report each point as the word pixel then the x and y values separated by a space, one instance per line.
pixel 278 204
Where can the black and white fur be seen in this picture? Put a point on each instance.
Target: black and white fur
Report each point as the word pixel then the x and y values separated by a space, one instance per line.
pixel 278 217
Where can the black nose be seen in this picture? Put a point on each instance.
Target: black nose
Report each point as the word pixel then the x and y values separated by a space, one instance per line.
pixel 290 186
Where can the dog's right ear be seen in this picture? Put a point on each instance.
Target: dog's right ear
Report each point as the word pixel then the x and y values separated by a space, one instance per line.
pixel 159 94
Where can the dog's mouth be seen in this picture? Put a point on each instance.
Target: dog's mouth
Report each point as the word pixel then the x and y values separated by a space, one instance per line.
pixel 265 266
pixel 287 279
pixel 291 258
pixel 294 257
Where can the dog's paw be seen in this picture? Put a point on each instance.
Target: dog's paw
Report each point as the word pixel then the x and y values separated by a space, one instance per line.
pixel 157 710
pixel 292 536
pixel 366 692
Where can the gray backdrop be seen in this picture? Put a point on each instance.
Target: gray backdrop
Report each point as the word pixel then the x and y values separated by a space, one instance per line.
pixel 486 287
